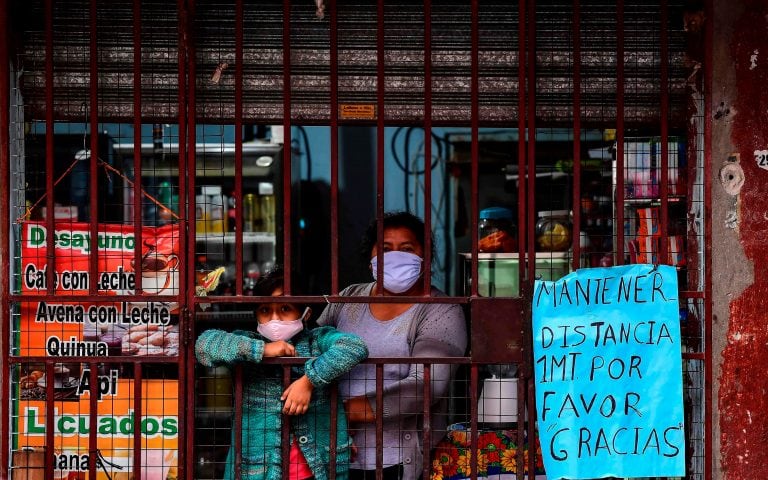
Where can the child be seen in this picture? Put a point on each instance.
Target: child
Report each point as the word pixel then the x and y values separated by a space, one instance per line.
pixel 281 333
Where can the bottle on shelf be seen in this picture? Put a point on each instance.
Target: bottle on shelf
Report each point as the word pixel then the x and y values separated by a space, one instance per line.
pixel 210 210
pixel 267 206
pixel 252 274
pixel 231 213
pixel 251 213
pixel 165 197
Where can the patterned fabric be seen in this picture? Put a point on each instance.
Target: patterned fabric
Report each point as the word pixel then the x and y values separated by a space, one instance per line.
pixel 452 459
pixel 331 353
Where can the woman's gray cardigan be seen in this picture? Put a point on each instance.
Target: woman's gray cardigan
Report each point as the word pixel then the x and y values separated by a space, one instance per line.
pixel 437 330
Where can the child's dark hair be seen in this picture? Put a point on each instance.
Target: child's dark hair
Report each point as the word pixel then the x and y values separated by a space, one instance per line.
pixel 393 220
pixel 270 281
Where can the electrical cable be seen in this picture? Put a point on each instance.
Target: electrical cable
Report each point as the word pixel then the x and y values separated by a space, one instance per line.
pixel 407 148
pixel 307 150
pixel 399 161
pixel 404 164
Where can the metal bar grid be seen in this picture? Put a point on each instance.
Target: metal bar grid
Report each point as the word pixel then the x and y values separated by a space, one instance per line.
pixel 187 120
pixel 138 411
pixel 49 144
pixel 576 79
pixel 49 221
pixel 531 121
pixel 664 127
pixel 93 121
pixel 287 152
pixel 137 216
pixel 427 423
pixel 93 414
pixel 531 140
pixel 619 224
pixel 239 14
pixel 474 133
pixel 334 117
pixel 49 420
pixel 428 253
pixel 380 121
pixel 523 220
pixel 5 209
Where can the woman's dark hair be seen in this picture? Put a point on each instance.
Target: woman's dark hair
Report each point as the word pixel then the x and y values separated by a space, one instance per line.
pixel 393 220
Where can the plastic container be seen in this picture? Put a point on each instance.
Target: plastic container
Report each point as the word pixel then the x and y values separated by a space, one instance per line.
pixel 165 197
pixel 251 213
pixel 553 231
pixel 267 206
pixel 498 273
pixel 497 232
pixel 210 210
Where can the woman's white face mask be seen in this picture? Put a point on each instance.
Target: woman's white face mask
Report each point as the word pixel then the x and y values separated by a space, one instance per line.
pixel 401 270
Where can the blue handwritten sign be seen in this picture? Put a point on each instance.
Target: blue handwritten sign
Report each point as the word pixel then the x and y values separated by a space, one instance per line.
pixel 608 372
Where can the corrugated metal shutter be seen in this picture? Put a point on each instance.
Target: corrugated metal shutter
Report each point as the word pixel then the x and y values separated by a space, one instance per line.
pixel 214 43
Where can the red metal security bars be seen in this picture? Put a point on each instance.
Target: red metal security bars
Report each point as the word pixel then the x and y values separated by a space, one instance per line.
pixel 523 75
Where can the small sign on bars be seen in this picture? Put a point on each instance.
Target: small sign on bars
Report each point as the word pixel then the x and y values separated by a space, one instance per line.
pixel 357 111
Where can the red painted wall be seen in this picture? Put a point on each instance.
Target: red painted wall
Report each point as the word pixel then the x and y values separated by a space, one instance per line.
pixel 743 397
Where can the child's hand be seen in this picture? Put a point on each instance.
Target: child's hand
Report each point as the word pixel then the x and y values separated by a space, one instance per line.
pixel 297 396
pixel 280 348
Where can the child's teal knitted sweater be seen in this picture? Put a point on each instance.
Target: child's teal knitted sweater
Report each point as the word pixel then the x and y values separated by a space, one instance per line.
pixel 331 353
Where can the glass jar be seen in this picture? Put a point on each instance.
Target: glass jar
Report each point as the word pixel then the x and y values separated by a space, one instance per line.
pixel 496 231
pixel 553 231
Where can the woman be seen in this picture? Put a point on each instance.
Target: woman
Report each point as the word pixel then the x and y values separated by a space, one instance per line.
pixel 396 330
pixel 281 333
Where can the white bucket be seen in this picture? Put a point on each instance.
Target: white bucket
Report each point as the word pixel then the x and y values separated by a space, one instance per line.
pixel 498 401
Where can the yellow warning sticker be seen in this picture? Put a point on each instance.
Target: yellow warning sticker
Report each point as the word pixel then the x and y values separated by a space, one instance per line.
pixel 357 111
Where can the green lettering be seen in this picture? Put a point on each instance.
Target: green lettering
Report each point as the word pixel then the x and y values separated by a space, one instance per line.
pixel 150 426
pixel 65 239
pixel 170 427
pixel 77 241
pixel 34 428
pixel 64 421
pixel 36 236
pixel 107 426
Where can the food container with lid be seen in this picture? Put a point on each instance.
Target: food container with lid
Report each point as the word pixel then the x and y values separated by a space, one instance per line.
pixel 496 231
pixel 553 231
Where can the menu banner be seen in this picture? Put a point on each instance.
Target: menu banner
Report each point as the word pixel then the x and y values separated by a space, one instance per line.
pixel 102 329
pixel 116 424
pixel 106 328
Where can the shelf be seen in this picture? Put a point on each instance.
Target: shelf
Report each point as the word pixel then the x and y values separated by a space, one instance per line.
pixel 213 159
pixel 209 172
pixel 653 201
pixel 229 238
pixel 514 256
pixel 214 413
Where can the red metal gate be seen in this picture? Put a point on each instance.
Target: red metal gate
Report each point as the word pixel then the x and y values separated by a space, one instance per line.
pixel 149 117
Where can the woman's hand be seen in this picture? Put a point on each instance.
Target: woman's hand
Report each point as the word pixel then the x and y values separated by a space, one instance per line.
pixel 280 348
pixel 359 410
pixel 352 448
pixel 297 396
